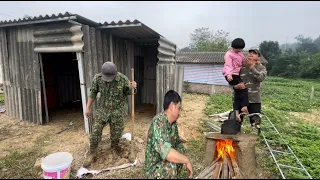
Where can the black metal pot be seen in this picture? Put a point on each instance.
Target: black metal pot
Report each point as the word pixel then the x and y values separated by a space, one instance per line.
pixel 232 125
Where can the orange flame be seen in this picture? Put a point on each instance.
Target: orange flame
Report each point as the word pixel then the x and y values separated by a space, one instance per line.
pixel 224 146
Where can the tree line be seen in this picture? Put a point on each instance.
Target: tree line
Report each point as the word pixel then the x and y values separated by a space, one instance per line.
pixel 300 59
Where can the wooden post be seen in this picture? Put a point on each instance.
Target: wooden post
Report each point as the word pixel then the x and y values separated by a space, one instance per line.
pixel 43 88
pixel 312 93
pixel 132 116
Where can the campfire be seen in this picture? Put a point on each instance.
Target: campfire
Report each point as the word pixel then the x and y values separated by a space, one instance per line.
pixel 225 165
pixel 224 152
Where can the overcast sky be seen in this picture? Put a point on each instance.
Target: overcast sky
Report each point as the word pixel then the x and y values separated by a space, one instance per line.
pixel 252 21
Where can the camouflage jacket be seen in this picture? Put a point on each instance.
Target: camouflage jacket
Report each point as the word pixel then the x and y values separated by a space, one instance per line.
pixel 113 95
pixel 162 136
pixel 253 78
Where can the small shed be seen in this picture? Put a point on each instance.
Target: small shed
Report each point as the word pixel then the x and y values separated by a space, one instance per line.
pixel 203 70
pixel 50 61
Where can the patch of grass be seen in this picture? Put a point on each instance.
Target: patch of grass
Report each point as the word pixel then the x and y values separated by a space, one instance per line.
pixel 1 98
pixel 281 96
pixel 19 164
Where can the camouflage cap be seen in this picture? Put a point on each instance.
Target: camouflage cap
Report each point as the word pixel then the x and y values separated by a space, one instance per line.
pixel 108 71
pixel 255 50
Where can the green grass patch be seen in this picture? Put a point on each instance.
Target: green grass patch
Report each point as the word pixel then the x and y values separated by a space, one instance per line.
pixel 19 164
pixel 281 96
pixel 1 98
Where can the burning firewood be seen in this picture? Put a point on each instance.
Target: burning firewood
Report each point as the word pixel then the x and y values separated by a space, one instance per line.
pixel 237 171
pixel 225 168
pixel 231 172
pixel 208 170
pixel 217 170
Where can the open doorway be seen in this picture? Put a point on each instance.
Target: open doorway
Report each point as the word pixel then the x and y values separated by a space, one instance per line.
pixel 62 84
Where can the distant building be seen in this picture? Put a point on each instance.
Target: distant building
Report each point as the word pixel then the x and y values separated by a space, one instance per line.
pixel 203 71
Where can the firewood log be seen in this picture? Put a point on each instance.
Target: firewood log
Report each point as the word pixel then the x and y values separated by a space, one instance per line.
pixel 230 166
pixel 225 168
pixel 217 170
pixel 208 175
pixel 208 169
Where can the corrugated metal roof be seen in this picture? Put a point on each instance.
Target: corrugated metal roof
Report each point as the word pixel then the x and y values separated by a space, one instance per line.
pixel 60 16
pixel 206 57
pixel 132 30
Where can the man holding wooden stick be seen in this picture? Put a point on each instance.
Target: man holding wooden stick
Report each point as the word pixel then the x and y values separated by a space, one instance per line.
pixel 114 88
pixel 164 156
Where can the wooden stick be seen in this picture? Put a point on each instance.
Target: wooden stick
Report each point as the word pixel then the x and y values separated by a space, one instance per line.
pixel 207 170
pixel 225 168
pixel 216 171
pixel 230 166
pixel 132 113
pixel 208 175
pixel 236 169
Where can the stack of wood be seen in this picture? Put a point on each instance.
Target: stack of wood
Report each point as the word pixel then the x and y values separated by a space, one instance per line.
pixel 222 168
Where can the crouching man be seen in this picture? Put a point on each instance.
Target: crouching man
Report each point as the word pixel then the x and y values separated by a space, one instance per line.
pixel 164 156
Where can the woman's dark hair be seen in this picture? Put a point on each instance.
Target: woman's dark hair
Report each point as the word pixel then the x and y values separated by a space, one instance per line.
pixel 238 43
pixel 171 96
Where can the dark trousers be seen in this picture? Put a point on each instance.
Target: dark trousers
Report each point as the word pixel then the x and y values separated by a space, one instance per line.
pixel 240 95
pixel 252 108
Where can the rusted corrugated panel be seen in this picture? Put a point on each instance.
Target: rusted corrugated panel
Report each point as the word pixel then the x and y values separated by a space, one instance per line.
pixel 22 77
pixel 63 37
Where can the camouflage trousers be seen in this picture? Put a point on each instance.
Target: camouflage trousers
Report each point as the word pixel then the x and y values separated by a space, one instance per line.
pixel 166 169
pixel 116 128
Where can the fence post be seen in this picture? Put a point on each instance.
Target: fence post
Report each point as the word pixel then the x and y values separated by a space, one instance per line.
pixel 312 93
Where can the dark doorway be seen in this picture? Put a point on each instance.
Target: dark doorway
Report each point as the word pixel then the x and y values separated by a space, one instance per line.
pixel 62 83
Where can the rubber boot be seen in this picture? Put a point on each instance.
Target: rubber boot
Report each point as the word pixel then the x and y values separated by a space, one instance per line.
pixel 117 148
pixel 92 157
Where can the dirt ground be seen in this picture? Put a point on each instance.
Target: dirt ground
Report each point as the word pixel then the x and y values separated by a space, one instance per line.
pixel 40 141
pixel 312 117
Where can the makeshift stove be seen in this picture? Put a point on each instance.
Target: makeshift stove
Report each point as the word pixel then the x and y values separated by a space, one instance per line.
pixel 229 156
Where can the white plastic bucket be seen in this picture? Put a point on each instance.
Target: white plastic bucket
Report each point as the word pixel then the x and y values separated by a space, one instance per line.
pixel 57 165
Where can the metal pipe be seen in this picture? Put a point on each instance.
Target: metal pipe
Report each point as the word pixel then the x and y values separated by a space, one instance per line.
pixel 39 21
pixel 83 91
pixel 78 48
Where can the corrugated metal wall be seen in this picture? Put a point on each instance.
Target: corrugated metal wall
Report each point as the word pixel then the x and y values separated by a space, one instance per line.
pixel 165 70
pixel 97 51
pixel 21 74
pixel 60 37
pixel 149 80
pixel 204 73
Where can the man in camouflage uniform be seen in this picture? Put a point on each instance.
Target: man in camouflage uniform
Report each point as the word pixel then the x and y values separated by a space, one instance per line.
pixel 114 88
pixel 164 156
pixel 252 73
